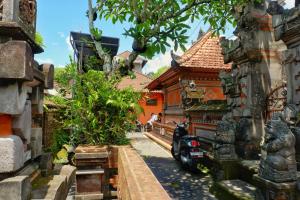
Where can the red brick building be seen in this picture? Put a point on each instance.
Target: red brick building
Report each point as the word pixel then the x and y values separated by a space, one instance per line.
pixel 193 89
pixel 151 102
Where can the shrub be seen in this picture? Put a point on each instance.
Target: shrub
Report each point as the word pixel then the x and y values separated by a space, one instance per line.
pixel 98 112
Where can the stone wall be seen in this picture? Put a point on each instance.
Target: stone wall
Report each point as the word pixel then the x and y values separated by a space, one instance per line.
pixel 256 72
pixel 135 179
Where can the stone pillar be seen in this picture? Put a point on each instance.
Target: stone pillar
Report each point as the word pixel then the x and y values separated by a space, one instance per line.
pixel 278 168
pixel 22 13
pixel 22 83
pixel 256 71
pixel 287 24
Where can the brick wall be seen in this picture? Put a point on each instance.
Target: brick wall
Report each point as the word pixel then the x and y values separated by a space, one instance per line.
pixel 136 181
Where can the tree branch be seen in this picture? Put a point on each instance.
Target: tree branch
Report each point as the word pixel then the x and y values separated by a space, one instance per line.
pixel 107 65
pixel 184 9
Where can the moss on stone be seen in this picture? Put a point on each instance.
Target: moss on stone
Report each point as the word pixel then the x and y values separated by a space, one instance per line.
pixel 41 181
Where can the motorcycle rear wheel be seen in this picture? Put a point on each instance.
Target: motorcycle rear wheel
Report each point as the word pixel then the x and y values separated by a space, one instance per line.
pixel 173 154
pixel 187 162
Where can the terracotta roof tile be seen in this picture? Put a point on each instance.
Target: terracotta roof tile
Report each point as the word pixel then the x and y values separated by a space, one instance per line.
pixel 205 53
pixel 138 84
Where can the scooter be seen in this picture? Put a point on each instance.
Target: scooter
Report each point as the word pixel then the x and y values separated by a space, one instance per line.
pixel 186 148
pixel 138 126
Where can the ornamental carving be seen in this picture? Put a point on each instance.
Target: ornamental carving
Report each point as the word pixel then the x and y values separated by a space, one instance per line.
pixel 247 46
pixel 230 82
pixel 291 55
pixel 1 9
pixel 287 24
pixel 224 148
pixel 28 11
pixel 190 93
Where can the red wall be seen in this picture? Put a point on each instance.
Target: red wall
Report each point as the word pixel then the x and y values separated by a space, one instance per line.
pixel 148 109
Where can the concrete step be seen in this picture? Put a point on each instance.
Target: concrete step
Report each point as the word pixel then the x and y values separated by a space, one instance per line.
pixel 94 196
pixel 236 190
pixel 247 169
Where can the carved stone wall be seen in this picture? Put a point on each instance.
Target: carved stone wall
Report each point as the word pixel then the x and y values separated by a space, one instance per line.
pixel 20 12
pixel 291 61
pixel 287 25
pixel 257 71
pixel 22 84
pixel 1 9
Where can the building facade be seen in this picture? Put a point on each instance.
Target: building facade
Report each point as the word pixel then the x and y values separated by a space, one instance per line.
pixel 192 88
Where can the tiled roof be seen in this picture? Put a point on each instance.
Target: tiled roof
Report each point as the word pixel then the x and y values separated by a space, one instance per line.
pixel 125 55
pixel 205 53
pixel 138 83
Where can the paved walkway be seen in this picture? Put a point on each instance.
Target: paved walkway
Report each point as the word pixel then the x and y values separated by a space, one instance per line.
pixel 178 183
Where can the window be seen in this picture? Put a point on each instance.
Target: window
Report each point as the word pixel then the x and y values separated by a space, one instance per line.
pixel 151 102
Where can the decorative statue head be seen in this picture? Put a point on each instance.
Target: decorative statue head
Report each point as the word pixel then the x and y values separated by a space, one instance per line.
pixel 276 127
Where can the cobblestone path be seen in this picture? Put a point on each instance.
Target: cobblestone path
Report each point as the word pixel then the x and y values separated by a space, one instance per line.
pixel 178 183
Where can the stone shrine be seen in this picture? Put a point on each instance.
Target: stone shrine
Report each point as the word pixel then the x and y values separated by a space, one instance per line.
pixel 22 84
pixel 287 24
pixel 256 72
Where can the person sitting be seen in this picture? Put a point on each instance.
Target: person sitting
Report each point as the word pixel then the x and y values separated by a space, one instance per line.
pixel 159 118
pixel 152 119
pixel 149 125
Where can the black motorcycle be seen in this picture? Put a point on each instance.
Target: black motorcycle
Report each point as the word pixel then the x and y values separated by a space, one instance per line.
pixel 186 148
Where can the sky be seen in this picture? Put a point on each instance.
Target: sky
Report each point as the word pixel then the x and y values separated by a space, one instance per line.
pixel 57 18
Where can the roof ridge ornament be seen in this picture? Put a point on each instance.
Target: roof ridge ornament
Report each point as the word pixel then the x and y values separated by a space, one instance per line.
pixel 175 59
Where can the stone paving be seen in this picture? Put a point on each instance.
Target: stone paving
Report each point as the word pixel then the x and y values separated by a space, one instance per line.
pixel 178 183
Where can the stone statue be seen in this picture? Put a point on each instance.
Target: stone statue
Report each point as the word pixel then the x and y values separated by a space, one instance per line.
pixel 278 163
pixel 290 114
pixel 230 82
pixel 275 8
pixel 225 139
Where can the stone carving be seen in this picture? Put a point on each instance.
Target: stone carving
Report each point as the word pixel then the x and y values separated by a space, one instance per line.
pixel 291 55
pixel 275 8
pixel 240 50
pixel 230 82
pixel 278 162
pixel 225 138
pixel 1 10
pixel 28 11
pixel 22 13
pixel 286 24
pixel 290 114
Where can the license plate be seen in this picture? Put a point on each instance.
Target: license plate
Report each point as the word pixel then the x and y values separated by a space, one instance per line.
pixel 198 154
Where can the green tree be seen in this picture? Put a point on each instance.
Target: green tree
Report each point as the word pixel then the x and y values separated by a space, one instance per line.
pixel 156 23
pixel 159 72
pixel 39 39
